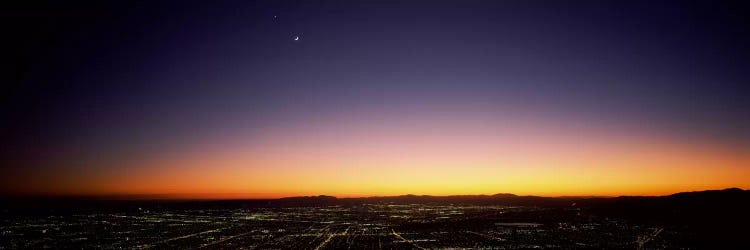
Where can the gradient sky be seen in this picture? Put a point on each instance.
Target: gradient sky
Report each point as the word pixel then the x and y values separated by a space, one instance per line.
pixel 189 99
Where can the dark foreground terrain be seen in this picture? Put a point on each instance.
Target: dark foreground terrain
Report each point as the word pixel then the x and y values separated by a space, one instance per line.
pixel 703 220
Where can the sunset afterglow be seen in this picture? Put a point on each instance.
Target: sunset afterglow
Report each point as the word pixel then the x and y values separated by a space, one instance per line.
pixel 272 100
pixel 440 155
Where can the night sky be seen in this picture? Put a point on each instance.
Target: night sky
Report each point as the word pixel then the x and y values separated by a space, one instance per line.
pixel 350 98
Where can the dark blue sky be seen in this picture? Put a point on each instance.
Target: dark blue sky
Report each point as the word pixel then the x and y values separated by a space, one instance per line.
pixel 96 81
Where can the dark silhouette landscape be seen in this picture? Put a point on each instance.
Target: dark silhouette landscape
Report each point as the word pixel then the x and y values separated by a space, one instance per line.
pixel 703 219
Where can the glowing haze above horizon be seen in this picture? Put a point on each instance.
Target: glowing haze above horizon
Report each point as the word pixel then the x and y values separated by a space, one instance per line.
pixel 278 98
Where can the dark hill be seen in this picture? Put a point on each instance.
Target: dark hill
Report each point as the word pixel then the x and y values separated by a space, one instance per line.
pixel 719 219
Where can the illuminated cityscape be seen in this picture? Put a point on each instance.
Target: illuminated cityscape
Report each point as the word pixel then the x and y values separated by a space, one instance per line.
pixel 367 226
pixel 680 221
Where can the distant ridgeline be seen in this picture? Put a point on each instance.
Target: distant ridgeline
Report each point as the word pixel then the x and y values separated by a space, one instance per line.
pixel 699 208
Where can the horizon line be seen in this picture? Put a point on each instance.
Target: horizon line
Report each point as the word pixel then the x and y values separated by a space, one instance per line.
pixel 227 196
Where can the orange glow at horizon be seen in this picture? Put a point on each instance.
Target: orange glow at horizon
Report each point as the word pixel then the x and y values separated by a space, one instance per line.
pixel 434 156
